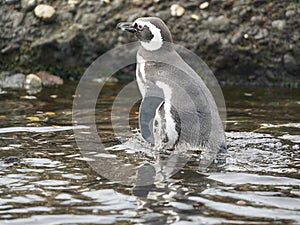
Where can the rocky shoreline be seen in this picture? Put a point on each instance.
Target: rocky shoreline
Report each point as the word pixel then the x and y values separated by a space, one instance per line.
pixel 252 42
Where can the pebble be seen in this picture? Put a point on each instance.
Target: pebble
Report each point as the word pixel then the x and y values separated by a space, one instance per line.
pixel 195 17
pixel 204 5
pixel 236 37
pixel 221 23
pixel 279 24
pixel 28 4
pixel 290 13
pixel 72 3
pixel 177 10
pixel 45 12
pixel 241 202
pixel 262 33
pixel 289 63
pixel 11 1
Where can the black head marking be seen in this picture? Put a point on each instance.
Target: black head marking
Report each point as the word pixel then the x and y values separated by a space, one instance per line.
pixel 144 34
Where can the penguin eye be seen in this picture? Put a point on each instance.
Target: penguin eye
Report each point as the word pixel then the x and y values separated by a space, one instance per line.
pixel 140 27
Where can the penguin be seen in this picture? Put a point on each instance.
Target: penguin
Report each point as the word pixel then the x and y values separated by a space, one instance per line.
pixel 177 109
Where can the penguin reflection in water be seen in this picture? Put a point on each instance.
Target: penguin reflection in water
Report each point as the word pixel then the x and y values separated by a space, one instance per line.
pixel 177 110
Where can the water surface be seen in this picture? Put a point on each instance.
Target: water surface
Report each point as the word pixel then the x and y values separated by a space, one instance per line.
pixel 53 184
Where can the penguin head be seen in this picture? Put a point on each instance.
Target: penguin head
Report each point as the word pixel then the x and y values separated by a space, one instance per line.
pixel 152 32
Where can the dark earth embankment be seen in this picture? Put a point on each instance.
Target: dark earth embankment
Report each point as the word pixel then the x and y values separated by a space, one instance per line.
pixel 243 41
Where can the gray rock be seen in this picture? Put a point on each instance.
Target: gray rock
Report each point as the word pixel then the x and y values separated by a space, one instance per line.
pixel 28 4
pixel 18 19
pixel 262 33
pixel 290 63
pixel 290 13
pixel 235 39
pixel 279 24
pixel 89 19
pixel 12 81
pixel 11 1
pixel 220 24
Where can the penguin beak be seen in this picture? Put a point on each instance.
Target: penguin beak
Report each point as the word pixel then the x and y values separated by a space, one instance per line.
pixel 127 26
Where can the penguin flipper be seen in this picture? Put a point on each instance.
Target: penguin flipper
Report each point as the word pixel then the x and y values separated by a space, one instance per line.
pixel 151 101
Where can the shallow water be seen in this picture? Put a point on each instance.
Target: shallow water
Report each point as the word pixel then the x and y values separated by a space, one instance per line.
pixel 53 184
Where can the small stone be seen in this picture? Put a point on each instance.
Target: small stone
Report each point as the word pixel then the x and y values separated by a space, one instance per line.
pixel 72 3
pixel 137 2
pixel 204 5
pixel 177 10
pixel 221 23
pixel 279 24
pixel 289 63
pixel 28 4
pixel 89 19
pixel 290 13
pixel 18 18
pixel 241 202
pixel 235 39
pixel 262 33
pixel 195 17
pixel 11 1
pixel 257 20
pixel 45 12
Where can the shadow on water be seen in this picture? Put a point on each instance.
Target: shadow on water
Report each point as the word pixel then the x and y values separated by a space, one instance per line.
pixel 53 184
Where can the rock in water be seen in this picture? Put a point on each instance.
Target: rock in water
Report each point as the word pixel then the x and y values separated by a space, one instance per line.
pixel 45 12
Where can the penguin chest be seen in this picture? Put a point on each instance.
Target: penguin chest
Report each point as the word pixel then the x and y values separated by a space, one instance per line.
pixel 141 75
